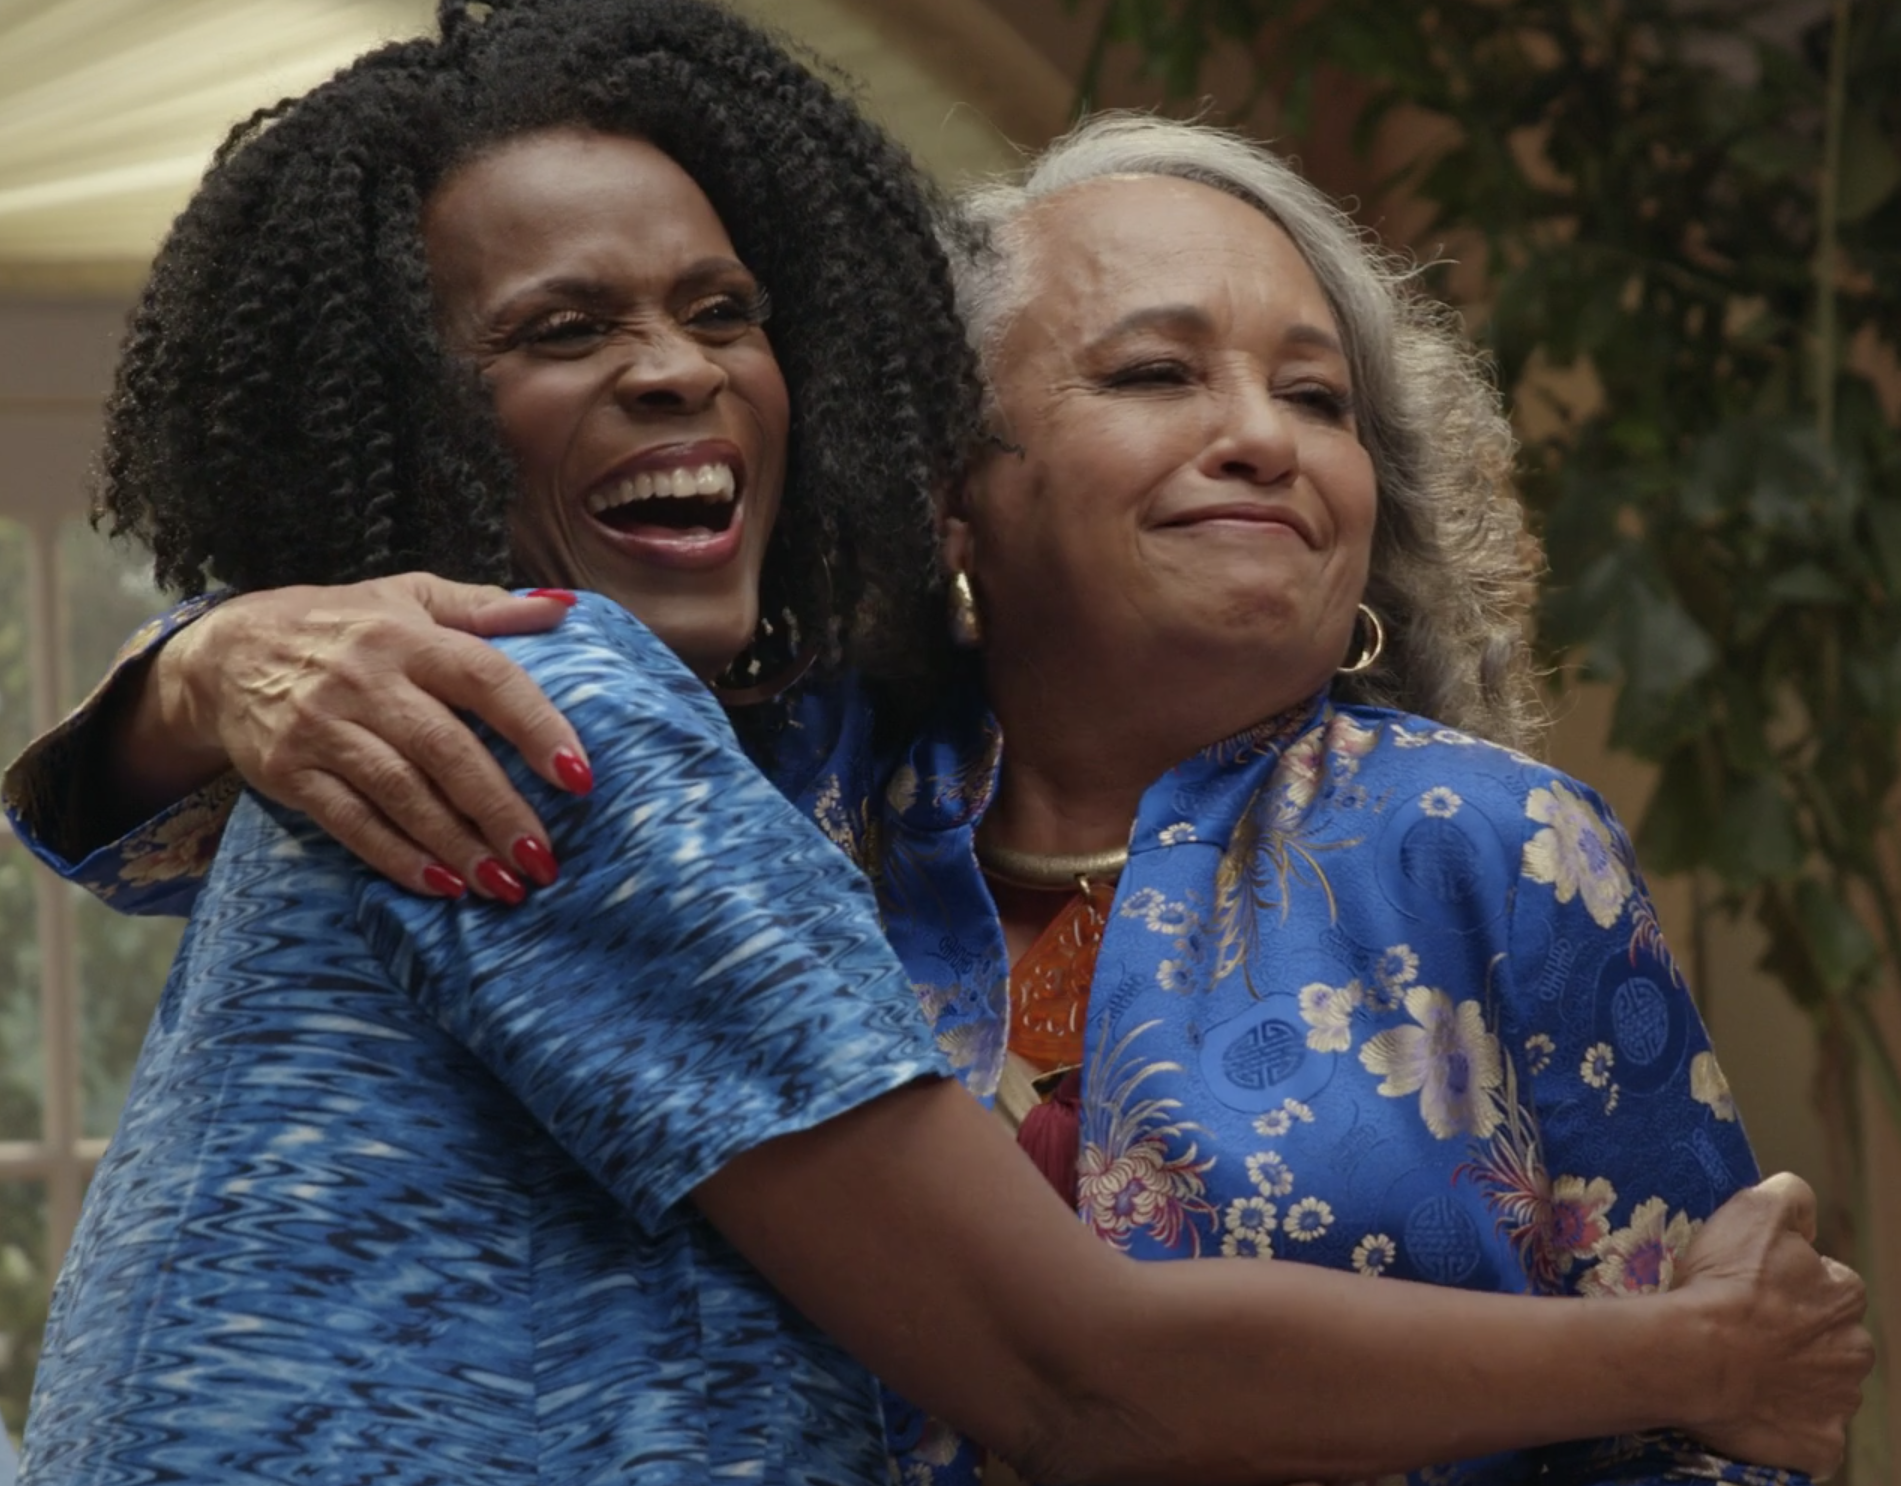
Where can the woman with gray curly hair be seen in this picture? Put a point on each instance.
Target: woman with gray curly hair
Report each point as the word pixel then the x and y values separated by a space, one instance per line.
pixel 1261 929
pixel 1306 958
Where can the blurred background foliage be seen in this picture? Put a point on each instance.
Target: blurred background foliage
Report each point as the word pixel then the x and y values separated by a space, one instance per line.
pixel 105 593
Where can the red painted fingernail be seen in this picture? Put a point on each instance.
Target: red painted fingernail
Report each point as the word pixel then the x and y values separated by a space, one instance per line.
pixel 576 777
pixel 442 882
pixel 499 881
pixel 534 858
pixel 563 596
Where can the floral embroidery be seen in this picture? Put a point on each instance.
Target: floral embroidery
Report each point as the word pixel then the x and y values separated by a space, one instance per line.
pixel 1397 968
pixel 1247 1246
pixel 1159 914
pixel 1646 937
pixel 1253 1215
pixel 968 1029
pixel 1270 1173
pixel 851 828
pixel 180 845
pixel 1269 852
pixel 1176 834
pixel 1449 1059
pixel 1579 1221
pixel 1575 854
pixel 1307 1220
pixel 1126 1180
pixel 1277 1122
pixel 1540 1048
pixel 1375 1254
pixel 1510 1171
pixel 1404 738
pixel 1175 976
pixel 1597 1065
pixel 1709 1086
pixel 1440 803
pixel 1641 1259
pixel 1328 1012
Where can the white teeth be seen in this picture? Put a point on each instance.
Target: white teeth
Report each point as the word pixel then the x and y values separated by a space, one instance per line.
pixel 701 482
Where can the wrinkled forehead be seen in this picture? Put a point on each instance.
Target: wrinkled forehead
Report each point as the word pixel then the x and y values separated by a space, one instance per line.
pixel 1093 251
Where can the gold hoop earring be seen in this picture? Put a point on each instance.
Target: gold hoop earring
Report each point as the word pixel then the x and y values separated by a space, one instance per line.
pixel 966 629
pixel 1372 643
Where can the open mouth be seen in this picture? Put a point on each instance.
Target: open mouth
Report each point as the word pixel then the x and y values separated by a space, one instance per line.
pixel 692 498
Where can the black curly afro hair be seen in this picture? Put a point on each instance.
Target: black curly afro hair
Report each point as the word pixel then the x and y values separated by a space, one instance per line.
pixel 285 412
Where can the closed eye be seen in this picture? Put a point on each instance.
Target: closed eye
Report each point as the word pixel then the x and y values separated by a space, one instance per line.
pixel 1328 403
pixel 1163 372
pixel 729 313
pixel 560 330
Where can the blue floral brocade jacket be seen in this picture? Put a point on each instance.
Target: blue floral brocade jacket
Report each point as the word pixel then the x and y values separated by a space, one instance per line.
pixel 1373 994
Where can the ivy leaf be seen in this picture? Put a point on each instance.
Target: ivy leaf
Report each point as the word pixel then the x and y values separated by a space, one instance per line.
pixel 1679 821
pixel 1756 838
pixel 1665 649
pixel 1840 948
pixel 1870 167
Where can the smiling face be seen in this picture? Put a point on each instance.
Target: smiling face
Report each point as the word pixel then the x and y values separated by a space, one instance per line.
pixel 591 281
pixel 1192 499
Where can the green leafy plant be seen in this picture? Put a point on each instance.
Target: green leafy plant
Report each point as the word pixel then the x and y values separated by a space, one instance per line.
pixel 1693 212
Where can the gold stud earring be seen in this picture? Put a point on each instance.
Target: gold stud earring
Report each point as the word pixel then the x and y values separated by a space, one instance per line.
pixel 966 629
pixel 1372 642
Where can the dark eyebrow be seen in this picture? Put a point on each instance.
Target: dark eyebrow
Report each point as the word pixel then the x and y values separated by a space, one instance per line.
pixel 594 294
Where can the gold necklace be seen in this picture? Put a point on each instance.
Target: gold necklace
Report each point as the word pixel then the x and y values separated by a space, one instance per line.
pixel 1047 871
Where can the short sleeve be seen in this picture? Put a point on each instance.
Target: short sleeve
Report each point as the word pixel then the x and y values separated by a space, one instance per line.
pixel 707 974
pixel 50 794
pixel 1640 1140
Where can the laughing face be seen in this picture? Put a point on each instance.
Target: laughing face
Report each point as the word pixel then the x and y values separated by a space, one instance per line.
pixel 622 341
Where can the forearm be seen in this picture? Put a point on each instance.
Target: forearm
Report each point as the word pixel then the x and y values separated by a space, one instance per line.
pixel 1249 1371
pixel 152 747
pixel 916 1233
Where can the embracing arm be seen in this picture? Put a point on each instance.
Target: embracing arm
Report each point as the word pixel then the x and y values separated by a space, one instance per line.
pixel 337 702
pixel 913 1231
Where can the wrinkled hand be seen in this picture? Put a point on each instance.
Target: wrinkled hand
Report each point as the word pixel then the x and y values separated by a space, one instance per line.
pixel 340 703
pixel 1791 1350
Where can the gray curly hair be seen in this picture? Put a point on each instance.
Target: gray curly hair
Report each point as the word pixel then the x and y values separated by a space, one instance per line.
pixel 1453 568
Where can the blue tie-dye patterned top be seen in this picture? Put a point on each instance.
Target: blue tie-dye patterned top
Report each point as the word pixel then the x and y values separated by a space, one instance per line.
pixel 397 1195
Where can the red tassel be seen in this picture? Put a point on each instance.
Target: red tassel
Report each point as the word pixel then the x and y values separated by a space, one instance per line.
pixel 1051 1135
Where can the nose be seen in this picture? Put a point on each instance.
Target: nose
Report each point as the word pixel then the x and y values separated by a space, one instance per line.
pixel 668 373
pixel 1256 440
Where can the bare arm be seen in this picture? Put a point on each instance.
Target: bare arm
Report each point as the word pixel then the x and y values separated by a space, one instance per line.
pixel 913 1230
pixel 341 703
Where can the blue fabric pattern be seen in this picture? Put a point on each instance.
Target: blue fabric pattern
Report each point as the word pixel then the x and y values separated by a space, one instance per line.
pixel 396 1196
pixel 1372 994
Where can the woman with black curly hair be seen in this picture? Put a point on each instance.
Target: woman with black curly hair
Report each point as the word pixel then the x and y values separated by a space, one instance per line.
pixel 420 1189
